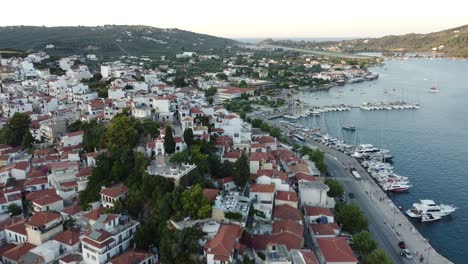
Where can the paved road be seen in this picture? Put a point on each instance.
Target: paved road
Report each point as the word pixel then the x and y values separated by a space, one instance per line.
pixel 381 232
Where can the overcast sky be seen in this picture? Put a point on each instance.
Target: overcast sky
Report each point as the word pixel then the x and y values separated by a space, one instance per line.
pixel 248 18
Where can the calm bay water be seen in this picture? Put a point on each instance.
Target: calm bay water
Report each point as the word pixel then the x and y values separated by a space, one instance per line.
pixel 430 145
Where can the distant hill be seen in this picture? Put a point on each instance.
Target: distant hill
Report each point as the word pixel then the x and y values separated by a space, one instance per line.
pixel 109 40
pixel 453 42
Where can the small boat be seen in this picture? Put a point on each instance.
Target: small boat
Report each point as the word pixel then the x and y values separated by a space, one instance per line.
pixel 349 128
pixel 434 89
pixel 430 218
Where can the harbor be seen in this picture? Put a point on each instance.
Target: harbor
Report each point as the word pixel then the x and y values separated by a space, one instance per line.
pixel 383 214
pixel 429 149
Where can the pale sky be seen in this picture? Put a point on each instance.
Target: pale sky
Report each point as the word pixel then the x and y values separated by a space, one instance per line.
pixel 248 18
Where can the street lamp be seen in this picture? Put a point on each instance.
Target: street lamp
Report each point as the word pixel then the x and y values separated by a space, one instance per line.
pixel 393 223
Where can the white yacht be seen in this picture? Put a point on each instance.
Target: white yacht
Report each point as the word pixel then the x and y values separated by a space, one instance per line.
pixel 430 207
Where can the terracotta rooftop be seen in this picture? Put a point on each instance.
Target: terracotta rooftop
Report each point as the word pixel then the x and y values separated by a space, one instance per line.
pixel 263 188
pixel 210 194
pixel 289 196
pixel 115 191
pixel 17 252
pixel 131 256
pixel 68 237
pixel 47 199
pixel 224 242
pixel 286 212
pixel 316 211
pixel 42 218
pixel 336 250
pixel 325 229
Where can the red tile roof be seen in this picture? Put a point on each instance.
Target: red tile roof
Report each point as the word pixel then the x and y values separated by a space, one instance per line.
pixel 87 171
pixel 232 155
pixel 336 250
pixel 263 188
pixel 17 252
pixel 71 210
pixel 94 214
pixel 289 196
pixel 272 174
pixel 45 200
pixel 72 258
pixel 115 191
pixel 42 218
pixel 18 227
pixel 68 237
pixel 63 165
pixel 76 133
pixel 34 195
pixel 131 256
pixel 315 211
pixel 288 226
pixel 210 194
pixel 224 242
pixel 325 229
pixel 286 212
pixel 304 177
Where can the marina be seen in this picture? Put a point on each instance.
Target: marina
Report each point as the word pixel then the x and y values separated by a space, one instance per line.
pixel 430 148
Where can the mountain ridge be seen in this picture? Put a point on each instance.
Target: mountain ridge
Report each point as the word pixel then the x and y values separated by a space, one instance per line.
pixel 453 42
pixel 110 40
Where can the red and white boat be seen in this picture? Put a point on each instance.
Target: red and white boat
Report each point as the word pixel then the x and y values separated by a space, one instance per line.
pixel 397 187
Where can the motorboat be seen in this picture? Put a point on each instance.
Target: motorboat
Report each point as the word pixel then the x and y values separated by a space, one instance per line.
pixel 430 207
pixel 434 89
pixel 349 128
pixel 396 187
pixel 430 218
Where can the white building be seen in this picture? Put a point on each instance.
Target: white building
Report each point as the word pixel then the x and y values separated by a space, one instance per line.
pixel 313 194
pixel 110 236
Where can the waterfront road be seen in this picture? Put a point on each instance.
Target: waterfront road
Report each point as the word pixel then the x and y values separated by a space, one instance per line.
pixel 387 223
pixel 381 232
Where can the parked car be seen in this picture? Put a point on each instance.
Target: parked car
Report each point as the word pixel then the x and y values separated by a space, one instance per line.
pixel 351 195
pixel 406 253
pixel 402 244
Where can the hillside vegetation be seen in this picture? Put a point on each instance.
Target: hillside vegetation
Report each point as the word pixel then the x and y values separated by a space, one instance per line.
pixel 453 42
pixel 109 40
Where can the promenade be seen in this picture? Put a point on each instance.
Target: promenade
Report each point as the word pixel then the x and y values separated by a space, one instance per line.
pixel 388 225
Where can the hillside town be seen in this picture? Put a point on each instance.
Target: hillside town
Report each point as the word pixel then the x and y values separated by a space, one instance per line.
pixel 141 161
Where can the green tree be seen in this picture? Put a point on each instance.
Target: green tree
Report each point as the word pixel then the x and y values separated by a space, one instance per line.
pixel 363 243
pixel 93 135
pixel 179 81
pixel 169 143
pixel 378 256
pixel 242 170
pixel 210 100
pixel 188 137
pixel 195 204
pixel 151 128
pixel 14 209
pixel 276 132
pixel 75 126
pixel 15 129
pixel 179 157
pixel 336 190
pixel 221 76
pixel 351 218
pixel 210 91
pixel 28 140
pixel 243 84
pixel 257 123
pixel 121 133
